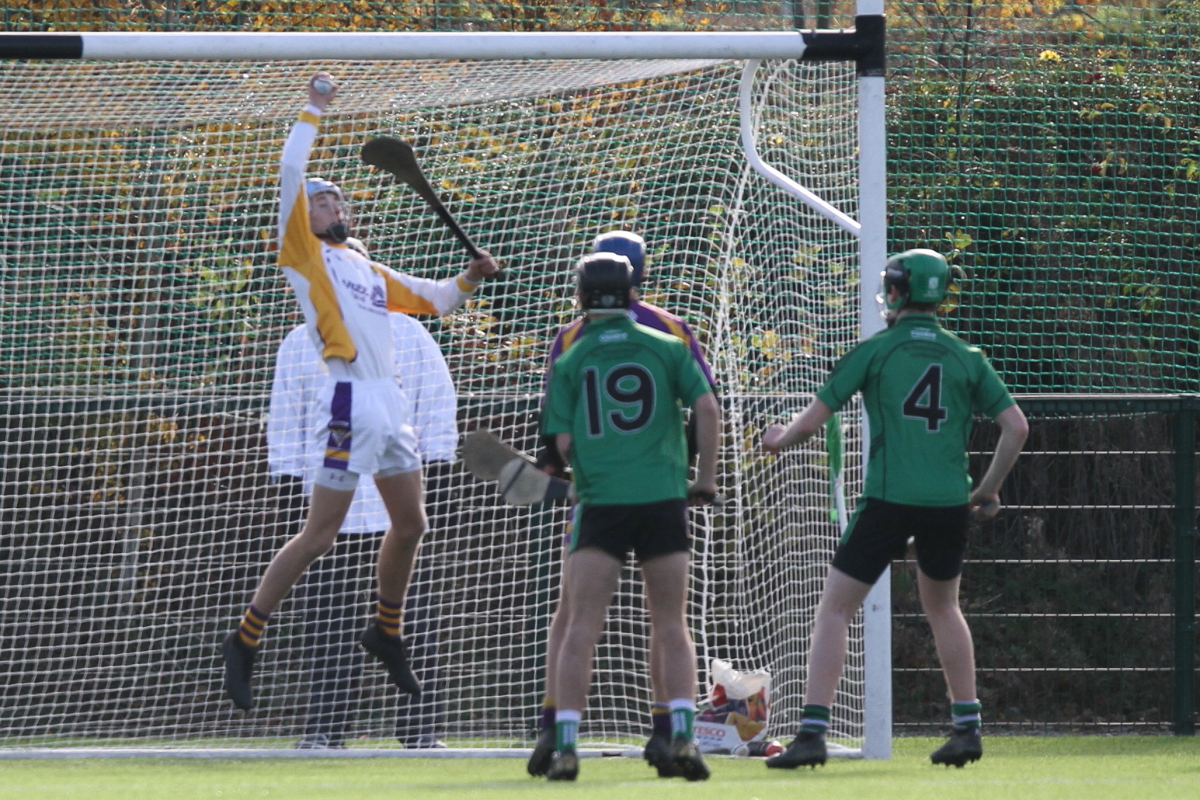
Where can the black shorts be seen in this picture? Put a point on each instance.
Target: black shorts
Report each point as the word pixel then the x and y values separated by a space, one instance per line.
pixel 649 529
pixel 879 532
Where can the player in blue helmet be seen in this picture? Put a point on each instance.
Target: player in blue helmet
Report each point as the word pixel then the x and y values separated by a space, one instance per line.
pixel 631 477
pixel 624 243
pixel 633 247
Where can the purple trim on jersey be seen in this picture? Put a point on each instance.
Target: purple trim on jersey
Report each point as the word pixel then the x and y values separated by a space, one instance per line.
pixel 662 320
pixel 337 447
pixel 566 337
pixel 643 314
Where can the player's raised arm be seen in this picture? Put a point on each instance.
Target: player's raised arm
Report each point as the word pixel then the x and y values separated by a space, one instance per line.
pixel 294 219
pixel 293 204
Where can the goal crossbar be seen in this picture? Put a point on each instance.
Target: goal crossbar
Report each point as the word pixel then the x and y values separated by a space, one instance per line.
pixel 863 42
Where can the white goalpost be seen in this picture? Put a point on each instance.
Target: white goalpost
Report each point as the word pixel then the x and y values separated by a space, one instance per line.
pixel 143 312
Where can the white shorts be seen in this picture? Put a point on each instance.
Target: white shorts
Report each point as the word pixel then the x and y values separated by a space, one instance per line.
pixel 365 428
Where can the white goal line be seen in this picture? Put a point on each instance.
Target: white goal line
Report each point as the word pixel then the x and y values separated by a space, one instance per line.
pixel 70 753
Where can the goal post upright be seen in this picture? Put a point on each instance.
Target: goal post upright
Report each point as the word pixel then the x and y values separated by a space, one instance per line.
pixel 872 182
pixel 861 45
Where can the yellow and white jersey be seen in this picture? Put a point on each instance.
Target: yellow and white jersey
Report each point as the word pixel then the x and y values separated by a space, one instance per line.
pixel 344 295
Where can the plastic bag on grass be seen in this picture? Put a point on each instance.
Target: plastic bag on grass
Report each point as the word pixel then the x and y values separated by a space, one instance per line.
pixel 737 711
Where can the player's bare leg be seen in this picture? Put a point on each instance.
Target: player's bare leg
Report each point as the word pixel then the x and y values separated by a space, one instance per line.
pixel 657 751
pixel 543 748
pixel 666 581
pixel 591 577
pixel 951 634
pixel 403 497
pixel 327 510
pixel 956 651
pixel 840 601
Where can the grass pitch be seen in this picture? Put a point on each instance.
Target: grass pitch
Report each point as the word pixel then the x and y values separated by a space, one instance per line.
pixel 1022 768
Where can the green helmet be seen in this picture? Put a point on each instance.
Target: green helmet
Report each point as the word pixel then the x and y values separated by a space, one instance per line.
pixel 922 276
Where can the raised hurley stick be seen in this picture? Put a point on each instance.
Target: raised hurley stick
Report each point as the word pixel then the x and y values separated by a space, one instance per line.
pixel 396 156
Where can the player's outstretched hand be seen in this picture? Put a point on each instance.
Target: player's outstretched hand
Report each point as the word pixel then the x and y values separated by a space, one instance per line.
pixel 772 438
pixel 482 267
pixel 321 90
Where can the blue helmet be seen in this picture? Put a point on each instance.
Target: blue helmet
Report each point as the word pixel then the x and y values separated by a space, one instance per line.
pixel 627 244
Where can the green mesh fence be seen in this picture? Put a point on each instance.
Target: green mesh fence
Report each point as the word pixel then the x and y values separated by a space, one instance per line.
pixel 1054 154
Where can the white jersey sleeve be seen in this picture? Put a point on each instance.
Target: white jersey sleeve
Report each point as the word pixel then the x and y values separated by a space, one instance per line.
pixel 413 295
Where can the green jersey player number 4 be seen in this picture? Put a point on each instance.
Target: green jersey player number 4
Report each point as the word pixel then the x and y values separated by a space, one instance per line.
pixel 922 387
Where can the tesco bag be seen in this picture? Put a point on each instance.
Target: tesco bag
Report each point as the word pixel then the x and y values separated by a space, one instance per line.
pixel 737 710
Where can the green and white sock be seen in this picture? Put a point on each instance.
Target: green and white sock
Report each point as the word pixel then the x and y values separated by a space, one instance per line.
pixel 814 719
pixel 966 715
pixel 683 718
pixel 566 729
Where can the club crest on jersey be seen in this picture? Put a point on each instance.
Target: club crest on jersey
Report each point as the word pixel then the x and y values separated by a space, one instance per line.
pixel 613 336
pixel 337 447
pixel 339 433
pixel 378 297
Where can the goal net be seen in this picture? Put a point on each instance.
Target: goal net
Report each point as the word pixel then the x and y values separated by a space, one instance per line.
pixel 142 315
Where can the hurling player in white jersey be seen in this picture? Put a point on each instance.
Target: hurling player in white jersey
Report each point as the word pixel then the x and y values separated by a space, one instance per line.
pixel 329 597
pixel 346 298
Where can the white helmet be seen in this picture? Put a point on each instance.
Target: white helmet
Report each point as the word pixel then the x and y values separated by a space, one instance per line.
pixel 338 232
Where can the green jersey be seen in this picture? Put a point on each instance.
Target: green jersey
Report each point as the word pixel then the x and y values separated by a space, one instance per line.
pixel 922 387
pixel 620 391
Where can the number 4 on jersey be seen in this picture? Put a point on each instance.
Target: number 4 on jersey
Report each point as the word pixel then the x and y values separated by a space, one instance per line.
pixel 924 400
